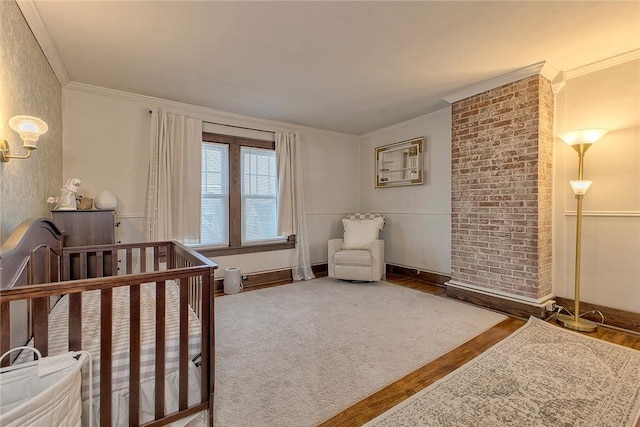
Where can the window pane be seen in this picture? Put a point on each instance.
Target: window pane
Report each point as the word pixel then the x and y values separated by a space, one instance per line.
pixel 259 214
pixel 214 219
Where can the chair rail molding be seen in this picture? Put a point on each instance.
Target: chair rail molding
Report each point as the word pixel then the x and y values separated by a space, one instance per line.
pixel 635 214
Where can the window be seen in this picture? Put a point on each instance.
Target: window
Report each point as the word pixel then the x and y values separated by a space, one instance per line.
pixel 215 194
pixel 259 209
pixel 239 195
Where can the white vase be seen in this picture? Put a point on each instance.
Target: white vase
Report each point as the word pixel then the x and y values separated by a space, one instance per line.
pixel 105 200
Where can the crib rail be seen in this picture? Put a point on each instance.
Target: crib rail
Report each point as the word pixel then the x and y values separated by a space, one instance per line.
pixel 105 268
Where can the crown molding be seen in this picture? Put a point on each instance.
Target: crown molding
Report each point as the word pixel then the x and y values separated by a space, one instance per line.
pixel 32 16
pixel 601 65
pixel 542 68
pixel 442 112
pixel 196 111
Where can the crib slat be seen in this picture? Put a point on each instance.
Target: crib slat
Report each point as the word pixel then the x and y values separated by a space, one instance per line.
pixel 66 266
pixel 156 259
pixel 41 324
pixel 171 257
pixel 99 264
pixel 75 321
pixel 134 356
pixel 129 260
pixel 160 345
pixel 114 264
pixel 206 299
pixel 183 366
pixel 106 339
pixel 5 326
pixel 83 265
pixel 143 260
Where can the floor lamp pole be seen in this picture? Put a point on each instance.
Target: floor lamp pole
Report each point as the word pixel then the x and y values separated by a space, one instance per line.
pixel 576 310
pixel 580 187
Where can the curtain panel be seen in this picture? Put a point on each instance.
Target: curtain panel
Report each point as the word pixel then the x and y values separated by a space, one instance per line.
pixel 172 209
pixel 292 217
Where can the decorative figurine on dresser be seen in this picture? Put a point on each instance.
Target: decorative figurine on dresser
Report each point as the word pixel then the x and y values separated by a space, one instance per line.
pixel 67 200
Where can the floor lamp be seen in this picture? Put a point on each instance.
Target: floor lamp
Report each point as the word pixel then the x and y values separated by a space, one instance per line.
pixel 581 141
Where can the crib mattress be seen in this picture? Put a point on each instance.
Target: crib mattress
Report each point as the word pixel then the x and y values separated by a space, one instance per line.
pixel 59 333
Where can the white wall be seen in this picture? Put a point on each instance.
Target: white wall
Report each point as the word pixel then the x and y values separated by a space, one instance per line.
pixel 417 232
pixel 610 269
pixel 106 144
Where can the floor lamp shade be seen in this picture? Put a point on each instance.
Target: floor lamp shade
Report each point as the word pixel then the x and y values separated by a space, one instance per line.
pixel 582 136
pixel 580 187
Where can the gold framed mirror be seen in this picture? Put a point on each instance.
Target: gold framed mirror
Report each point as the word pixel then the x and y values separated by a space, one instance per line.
pixel 399 164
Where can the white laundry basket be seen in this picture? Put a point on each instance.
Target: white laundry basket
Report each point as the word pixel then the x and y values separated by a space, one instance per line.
pixel 29 398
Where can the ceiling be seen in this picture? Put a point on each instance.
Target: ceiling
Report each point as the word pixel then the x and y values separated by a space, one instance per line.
pixel 351 67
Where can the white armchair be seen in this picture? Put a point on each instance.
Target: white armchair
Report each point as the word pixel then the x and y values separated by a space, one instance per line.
pixel 359 255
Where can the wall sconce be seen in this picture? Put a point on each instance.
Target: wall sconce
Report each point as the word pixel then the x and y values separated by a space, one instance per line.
pixel 581 141
pixel 29 128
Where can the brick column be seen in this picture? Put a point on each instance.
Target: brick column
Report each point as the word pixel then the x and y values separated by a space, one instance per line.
pixel 501 161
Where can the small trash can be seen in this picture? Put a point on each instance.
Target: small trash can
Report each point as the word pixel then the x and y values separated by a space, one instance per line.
pixel 232 280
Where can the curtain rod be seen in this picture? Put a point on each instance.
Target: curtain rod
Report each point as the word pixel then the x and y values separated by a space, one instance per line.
pixel 234 126
pixel 240 127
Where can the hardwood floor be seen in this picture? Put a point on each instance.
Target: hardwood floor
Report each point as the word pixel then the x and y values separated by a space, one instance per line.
pixel 412 383
pixel 393 394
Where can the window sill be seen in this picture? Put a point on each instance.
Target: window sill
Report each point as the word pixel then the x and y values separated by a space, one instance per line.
pixel 290 243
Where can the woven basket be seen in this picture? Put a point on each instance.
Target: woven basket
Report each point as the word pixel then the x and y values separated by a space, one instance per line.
pixel 84 203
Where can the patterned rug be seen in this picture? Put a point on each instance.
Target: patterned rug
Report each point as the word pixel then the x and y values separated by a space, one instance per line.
pixel 541 375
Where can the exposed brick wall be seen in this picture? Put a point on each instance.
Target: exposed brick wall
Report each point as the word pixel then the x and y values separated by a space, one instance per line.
pixel 501 174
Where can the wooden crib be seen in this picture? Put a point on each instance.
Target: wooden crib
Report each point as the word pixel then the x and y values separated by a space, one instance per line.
pixel 151 320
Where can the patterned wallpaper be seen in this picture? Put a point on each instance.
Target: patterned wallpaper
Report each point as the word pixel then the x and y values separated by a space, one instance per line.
pixel 28 86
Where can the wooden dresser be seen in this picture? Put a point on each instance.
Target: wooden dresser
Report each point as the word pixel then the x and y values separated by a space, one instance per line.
pixel 87 228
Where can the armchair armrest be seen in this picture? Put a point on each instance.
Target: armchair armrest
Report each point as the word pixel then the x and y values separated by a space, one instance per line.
pixel 377 260
pixel 335 245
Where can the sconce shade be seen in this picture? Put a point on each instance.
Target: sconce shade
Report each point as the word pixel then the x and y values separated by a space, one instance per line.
pixel 29 128
pixel 580 187
pixel 583 136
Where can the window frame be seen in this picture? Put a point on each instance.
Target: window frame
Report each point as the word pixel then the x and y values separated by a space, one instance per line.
pixel 235 199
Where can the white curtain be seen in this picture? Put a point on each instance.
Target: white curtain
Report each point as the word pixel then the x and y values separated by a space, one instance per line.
pixel 172 208
pixel 291 214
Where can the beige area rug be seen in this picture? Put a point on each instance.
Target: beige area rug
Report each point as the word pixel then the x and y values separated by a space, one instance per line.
pixel 296 355
pixel 541 375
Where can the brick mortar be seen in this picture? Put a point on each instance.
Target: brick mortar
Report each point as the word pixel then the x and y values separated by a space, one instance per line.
pixel 501 172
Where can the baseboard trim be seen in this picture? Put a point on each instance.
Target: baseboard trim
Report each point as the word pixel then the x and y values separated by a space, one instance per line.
pixel 414 273
pixel 614 317
pixel 271 278
pixel 511 307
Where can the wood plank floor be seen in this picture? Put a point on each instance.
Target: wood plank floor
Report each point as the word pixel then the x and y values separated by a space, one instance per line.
pixel 398 391
pixel 395 393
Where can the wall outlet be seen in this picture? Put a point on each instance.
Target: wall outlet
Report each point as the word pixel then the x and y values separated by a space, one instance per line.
pixel 245 277
pixel 550 306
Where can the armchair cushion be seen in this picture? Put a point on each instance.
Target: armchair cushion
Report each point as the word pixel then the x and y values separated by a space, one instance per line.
pixel 360 233
pixel 353 257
